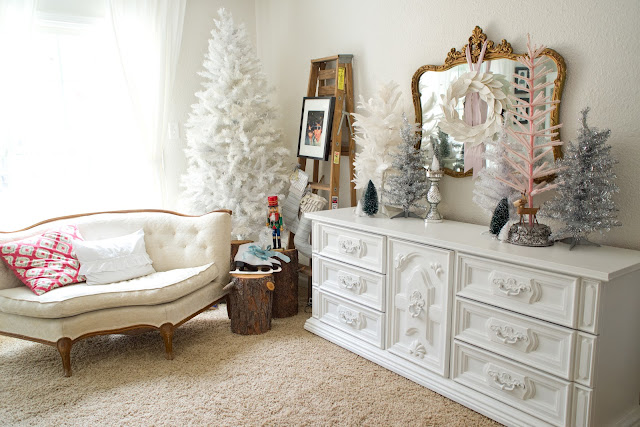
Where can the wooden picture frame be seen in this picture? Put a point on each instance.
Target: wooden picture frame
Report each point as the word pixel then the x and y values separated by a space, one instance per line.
pixel 315 127
pixel 523 72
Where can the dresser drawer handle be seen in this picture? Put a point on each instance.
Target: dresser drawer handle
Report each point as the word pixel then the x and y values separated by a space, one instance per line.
pixel 508 335
pixel 349 246
pixel 416 304
pixel 510 286
pixel 349 317
pixel 505 381
pixel 350 282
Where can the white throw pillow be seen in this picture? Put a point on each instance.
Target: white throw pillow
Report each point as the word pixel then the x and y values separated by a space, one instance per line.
pixel 115 259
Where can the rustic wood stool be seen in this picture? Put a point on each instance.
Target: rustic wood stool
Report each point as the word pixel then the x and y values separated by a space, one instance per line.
pixel 251 301
pixel 285 296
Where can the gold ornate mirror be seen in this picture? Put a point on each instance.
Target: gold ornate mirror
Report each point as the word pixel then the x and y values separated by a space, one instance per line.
pixel 430 82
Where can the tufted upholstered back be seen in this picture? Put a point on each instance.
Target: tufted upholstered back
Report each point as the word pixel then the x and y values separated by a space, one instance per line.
pixel 172 240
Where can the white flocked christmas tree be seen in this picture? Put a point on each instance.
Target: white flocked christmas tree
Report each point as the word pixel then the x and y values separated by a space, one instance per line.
pixel 236 155
pixel 489 190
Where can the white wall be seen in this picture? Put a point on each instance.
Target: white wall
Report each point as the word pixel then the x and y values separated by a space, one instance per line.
pixel 391 39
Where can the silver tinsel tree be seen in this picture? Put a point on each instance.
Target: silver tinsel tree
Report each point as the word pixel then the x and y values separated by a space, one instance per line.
pixel 409 183
pixel 584 200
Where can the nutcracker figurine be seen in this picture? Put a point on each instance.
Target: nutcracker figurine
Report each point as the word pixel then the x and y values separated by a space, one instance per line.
pixel 274 221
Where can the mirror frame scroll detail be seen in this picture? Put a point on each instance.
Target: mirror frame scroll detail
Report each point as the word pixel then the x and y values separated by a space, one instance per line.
pixel 493 51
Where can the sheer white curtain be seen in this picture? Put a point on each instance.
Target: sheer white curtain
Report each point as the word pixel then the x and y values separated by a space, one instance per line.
pixel 148 35
pixel 83 105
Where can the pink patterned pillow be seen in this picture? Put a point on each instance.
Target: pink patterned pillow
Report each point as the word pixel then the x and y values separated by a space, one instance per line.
pixel 46 261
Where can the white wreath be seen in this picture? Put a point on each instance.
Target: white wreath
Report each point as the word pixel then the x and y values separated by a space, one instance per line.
pixel 490 89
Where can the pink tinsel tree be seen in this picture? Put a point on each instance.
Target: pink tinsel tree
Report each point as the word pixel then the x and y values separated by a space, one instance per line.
pixel 536 140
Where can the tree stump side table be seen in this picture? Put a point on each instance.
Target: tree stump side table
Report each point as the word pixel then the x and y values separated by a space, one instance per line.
pixel 251 300
pixel 285 296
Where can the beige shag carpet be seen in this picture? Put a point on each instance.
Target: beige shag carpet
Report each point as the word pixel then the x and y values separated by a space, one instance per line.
pixel 286 377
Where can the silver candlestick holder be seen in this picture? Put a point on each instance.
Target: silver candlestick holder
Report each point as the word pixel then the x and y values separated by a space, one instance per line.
pixel 433 196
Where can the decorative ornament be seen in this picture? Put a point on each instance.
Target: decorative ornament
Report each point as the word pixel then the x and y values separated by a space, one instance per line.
pixel 370 200
pixel 490 91
pixel 481 91
pixel 527 157
pixel 407 184
pixel 433 195
pixel 500 216
pixel 274 221
pixel 584 198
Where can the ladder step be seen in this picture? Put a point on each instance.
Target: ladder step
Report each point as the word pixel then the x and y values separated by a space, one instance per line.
pixel 326 74
pixel 326 90
pixel 319 186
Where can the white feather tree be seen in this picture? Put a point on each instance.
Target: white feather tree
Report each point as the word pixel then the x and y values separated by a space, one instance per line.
pixel 377 127
pixel 235 154
pixel 488 189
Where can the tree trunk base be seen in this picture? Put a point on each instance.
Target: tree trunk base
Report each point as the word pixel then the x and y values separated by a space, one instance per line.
pixel 285 295
pixel 251 297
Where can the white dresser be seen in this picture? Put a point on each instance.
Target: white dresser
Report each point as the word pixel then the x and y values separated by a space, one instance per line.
pixel 526 336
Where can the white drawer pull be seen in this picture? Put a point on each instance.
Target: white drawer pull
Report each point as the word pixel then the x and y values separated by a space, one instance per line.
pixel 517 385
pixel 504 381
pixel 347 245
pixel 416 304
pixel 349 317
pixel 350 282
pixel 510 286
pixel 507 334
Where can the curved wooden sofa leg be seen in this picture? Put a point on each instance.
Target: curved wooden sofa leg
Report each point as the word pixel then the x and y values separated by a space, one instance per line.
pixel 64 347
pixel 166 330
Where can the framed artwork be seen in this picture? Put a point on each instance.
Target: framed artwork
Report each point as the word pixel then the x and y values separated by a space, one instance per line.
pixel 523 73
pixel 526 111
pixel 315 127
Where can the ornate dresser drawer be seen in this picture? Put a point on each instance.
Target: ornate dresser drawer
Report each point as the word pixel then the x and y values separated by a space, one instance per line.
pixel 548 296
pixel 354 319
pixel 357 284
pixel 541 345
pixel 534 392
pixel 526 336
pixel 364 250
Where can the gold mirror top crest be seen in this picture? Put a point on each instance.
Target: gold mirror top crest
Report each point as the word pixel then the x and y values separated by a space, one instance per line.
pixel 476 41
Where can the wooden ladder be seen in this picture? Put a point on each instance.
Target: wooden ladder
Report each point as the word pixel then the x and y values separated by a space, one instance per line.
pixel 333 76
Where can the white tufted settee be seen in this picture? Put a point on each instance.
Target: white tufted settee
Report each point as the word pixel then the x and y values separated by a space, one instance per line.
pixel 191 259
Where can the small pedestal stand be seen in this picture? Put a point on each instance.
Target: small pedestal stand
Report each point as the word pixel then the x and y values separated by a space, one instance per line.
pixel 433 196
pixel 525 235
pixel 251 300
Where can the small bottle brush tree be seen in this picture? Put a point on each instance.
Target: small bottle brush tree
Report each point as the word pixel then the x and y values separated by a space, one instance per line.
pixel 408 184
pixel 441 146
pixel 584 199
pixel 530 163
pixel 370 199
pixel 376 127
pixel 235 155
pixel 500 216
